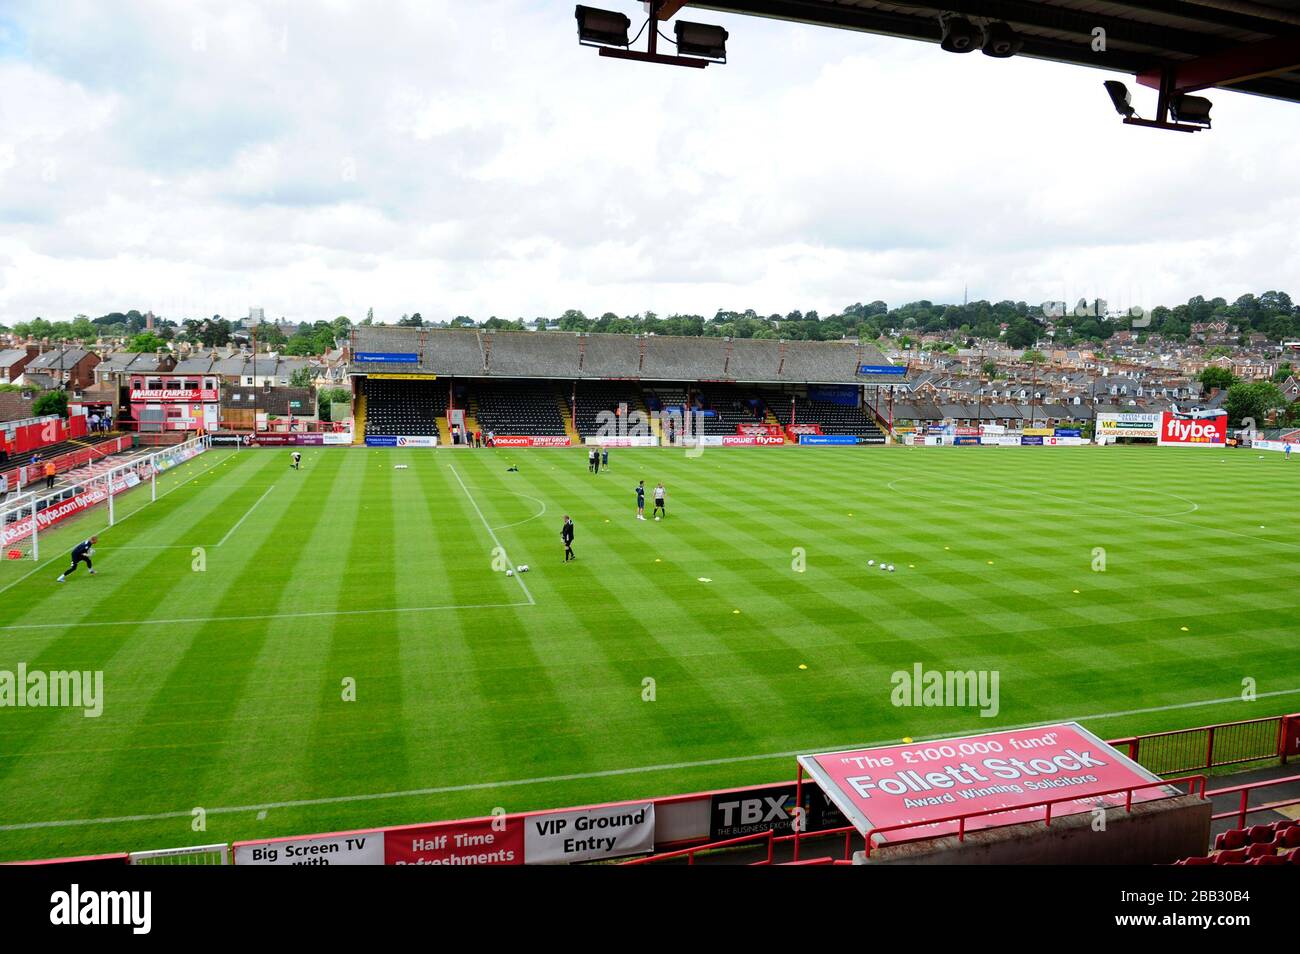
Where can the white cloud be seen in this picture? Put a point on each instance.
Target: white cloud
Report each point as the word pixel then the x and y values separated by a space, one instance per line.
pixel 470 158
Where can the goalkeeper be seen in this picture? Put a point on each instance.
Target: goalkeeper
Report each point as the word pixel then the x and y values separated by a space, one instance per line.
pixel 81 553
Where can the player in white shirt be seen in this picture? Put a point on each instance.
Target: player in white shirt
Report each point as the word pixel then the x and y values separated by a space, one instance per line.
pixel 661 497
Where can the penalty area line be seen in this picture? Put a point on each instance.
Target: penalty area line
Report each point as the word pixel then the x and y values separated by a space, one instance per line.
pixel 584 776
pixel 491 533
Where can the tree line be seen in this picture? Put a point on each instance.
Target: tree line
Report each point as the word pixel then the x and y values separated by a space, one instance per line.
pixel 1015 323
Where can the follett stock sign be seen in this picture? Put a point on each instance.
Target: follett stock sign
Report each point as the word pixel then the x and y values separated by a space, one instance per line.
pixel 1011 772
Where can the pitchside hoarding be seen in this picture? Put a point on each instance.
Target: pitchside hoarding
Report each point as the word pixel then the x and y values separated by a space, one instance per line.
pixel 1178 431
pixel 747 811
pixel 1128 425
pixel 923 781
pixel 349 848
pixel 516 440
pixel 480 841
pixel 589 834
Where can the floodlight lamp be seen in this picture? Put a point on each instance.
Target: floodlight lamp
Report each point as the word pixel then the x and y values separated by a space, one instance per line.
pixel 701 39
pixel 601 27
pixel 1120 98
pixel 1190 109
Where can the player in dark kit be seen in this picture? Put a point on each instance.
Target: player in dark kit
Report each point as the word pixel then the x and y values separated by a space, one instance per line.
pixel 80 553
pixel 640 500
pixel 566 534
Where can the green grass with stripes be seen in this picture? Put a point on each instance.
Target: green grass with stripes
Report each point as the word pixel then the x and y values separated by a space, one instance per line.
pixel 225 667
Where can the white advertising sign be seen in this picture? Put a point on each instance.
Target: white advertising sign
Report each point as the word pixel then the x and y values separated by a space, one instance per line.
pixel 589 834
pixel 356 848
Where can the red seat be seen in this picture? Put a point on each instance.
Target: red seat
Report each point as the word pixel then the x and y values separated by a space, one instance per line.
pixel 1259 850
pixel 1235 856
pixel 1197 860
pixel 1291 837
pixel 1260 834
pixel 1267 860
pixel 1228 840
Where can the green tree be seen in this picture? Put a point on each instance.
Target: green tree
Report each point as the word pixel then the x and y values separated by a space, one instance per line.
pixel 51 402
pixel 301 378
pixel 145 341
pixel 1254 400
pixel 1216 377
pixel 327 397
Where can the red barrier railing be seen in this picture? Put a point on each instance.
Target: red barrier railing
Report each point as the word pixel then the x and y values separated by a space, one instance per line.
pixel 1193 782
pixel 689 853
pixel 1205 747
pixel 1245 808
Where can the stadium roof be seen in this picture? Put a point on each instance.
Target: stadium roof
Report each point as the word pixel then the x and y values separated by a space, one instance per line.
pixel 470 352
pixel 1248 45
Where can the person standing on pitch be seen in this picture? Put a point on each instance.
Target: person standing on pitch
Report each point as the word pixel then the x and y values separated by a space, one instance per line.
pixel 640 500
pixel 566 535
pixel 297 460
pixel 80 553
pixel 660 495
pixel 604 457
pixel 591 461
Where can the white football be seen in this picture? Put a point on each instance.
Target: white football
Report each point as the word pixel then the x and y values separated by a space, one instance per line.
pixel 891 568
pixel 510 572
pixel 871 563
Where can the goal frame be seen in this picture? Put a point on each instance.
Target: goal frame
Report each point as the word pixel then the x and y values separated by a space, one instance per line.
pixel 12 512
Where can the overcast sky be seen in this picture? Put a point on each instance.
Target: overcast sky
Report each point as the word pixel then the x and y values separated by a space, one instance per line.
pixel 468 157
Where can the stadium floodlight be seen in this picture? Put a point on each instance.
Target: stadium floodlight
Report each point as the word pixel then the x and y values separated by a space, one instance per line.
pixel 701 39
pixel 1001 41
pixel 959 34
pixel 1190 109
pixel 601 27
pixel 1120 98
pixel 1190 113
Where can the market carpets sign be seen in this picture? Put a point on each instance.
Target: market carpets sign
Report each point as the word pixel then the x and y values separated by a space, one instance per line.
pixel 1011 772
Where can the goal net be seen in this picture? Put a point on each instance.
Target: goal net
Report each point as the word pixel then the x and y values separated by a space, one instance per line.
pixel 18 531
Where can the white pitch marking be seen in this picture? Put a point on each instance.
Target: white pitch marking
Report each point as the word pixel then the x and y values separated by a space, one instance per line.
pixel 584 776
pixel 246 515
pixel 81 624
pixel 540 513
pixel 491 533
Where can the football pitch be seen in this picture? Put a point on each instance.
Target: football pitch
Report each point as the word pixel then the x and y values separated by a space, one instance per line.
pixel 335 648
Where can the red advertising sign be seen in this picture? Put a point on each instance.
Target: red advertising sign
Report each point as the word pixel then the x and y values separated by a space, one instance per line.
pixel 482 841
pixel 1193 431
pixel 923 781
pixel 758 428
pixel 175 394
pixel 752 440
pixel 519 441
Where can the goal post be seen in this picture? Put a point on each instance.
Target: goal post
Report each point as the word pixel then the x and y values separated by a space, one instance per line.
pixel 19 533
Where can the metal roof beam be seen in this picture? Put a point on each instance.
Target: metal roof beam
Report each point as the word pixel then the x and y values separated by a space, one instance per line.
pixel 1237 64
